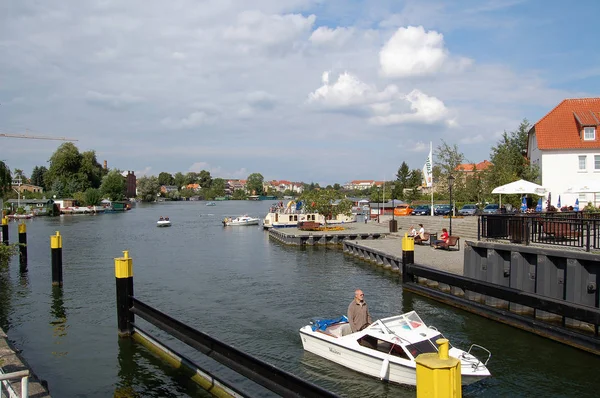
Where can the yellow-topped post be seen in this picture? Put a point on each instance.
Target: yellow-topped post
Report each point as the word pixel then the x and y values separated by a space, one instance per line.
pixel 56 252
pixel 124 282
pixel 23 247
pixel 408 253
pixel 438 374
pixel 5 230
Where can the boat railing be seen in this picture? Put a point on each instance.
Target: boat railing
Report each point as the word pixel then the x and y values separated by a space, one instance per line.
pixel 6 377
pixel 470 358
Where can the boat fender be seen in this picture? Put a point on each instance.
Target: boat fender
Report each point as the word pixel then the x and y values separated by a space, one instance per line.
pixel 384 368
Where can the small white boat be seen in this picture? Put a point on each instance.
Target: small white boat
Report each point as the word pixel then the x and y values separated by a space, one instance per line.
pixel 163 222
pixel 20 216
pixel 241 220
pixel 387 348
pixel 211 204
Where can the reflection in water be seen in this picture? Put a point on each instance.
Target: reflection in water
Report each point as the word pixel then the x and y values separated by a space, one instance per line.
pixel 141 374
pixel 5 297
pixel 59 318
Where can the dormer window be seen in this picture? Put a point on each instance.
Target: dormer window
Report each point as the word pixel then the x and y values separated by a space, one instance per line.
pixel 589 133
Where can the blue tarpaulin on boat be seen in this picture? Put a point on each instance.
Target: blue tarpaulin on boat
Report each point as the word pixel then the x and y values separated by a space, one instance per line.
pixel 322 324
pixel 299 205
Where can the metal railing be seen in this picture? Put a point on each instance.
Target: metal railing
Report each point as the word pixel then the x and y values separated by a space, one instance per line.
pixel 21 374
pixel 575 229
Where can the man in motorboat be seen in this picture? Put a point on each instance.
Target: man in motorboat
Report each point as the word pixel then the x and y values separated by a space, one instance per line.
pixel 358 312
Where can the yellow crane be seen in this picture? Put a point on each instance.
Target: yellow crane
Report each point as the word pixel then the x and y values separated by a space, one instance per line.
pixel 36 137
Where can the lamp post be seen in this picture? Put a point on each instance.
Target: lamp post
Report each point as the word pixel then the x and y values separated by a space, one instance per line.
pixel 450 183
pixel 378 203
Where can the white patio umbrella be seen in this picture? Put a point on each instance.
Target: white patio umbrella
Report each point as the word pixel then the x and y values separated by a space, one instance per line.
pixel 519 187
pixel 588 187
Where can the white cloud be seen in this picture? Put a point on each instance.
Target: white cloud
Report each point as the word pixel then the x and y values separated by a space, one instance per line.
pixel 324 36
pixel 412 51
pixel 144 172
pixel 194 119
pixel 386 107
pixel 425 109
pixel 111 101
pixel 257 30
pixel 348 91
pixel 198 167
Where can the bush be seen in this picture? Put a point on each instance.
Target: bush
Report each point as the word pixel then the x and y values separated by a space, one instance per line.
pixel 6 252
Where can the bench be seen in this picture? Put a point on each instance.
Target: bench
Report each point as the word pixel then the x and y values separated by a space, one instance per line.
pixel 560 230
pixel 426 237
pixel 452 242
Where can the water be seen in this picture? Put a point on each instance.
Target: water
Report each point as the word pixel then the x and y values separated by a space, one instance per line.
pixel 238 286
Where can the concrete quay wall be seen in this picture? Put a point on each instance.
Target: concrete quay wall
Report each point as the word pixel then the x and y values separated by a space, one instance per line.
pixel 11 361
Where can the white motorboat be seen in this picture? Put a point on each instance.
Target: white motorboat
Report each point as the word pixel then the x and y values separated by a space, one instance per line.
pixel 240 220
pixel 211 204
pixel 387 348
pixel 163 222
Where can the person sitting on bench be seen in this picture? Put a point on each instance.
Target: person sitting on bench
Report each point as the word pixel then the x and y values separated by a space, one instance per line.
pixel 445 239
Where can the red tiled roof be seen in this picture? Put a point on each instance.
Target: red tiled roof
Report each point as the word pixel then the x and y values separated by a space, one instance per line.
pixel 469 166
pixel 562 127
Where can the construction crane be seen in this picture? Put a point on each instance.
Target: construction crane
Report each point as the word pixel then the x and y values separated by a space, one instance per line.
pixel 36 137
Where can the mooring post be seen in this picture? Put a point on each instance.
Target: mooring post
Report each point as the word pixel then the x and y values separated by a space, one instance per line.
pixel 23 247
pixel 408 249
pixel 124 280
pixel 56 249
pixel 5 231
pixel 438 374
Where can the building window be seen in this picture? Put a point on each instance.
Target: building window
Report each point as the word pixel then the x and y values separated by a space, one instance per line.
pixel 582 161
pixel 583 197
pixel 589 133
pixel 596 162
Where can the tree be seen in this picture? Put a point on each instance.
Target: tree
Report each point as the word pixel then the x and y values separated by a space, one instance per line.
pixel 92 197
pixel 254 184
pixel 91 171
pixel 191 178
pixel 64 162
pixel 323 201
pixel 165 178
pixel 148 188
pixel 113 185
pixel 179 180
pixel 217 188
pixel 18 174
pixel 37 176
pixel 204 179
pixel 402 178
pixel 5 178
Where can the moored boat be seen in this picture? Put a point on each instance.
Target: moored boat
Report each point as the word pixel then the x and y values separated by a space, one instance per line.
pixel 240 221
pixel 20 216
pixel 387 348
pixel 211 204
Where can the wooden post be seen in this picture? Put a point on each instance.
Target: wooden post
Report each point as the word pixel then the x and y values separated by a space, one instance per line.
pixel 5 231
pixel 56 249
pixel 23 247
pixel 124 281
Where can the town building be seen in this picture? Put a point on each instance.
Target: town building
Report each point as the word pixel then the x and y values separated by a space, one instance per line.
pixel 564 144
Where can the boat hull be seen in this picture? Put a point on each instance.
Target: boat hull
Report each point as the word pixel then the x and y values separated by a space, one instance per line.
pixel 240 223
pixel 163 224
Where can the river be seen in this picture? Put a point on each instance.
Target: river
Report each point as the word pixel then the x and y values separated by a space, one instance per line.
pixel 238 286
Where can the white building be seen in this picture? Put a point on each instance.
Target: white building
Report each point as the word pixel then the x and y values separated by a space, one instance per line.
pixel 566 147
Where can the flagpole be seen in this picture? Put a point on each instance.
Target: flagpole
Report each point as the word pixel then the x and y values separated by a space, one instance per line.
pixel 431 152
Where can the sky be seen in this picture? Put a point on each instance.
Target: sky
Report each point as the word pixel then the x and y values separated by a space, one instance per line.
pixel 302 90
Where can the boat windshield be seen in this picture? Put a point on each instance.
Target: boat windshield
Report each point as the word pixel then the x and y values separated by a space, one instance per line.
pixel 423 347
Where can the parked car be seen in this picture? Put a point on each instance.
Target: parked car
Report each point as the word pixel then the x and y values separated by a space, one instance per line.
pixel 468 210
pixel 403 210
pixel 422 210
pixel 442 210
pixel 492 208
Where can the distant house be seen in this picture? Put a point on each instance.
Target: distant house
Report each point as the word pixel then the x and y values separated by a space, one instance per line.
pixel 470 169
pixel 168 188
pixel 234 185
pixel 27 188
pixel 565 146
pixel 37 206
pixel 359 184
pixel 193 187
pixel 130 184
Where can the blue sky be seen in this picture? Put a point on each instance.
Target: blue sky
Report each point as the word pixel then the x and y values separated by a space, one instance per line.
pixel 303 90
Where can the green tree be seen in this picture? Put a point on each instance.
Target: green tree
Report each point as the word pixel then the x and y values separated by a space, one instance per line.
pixel 148 188
pixel 165 178
pixel 204 179
pixel 239 194
pixel 92 197
pixel 325 202
pixel 113 185
pixel 18 174
pixel 5 178
pixel 254 184
pixel 90 170
pixel 217 188
pixel 402 179
pixel 37 176
pixel 179 180
pixel 64 162
pixel 191 178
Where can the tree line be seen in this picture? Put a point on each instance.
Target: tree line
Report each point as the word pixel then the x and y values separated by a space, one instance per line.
pixel 79 175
